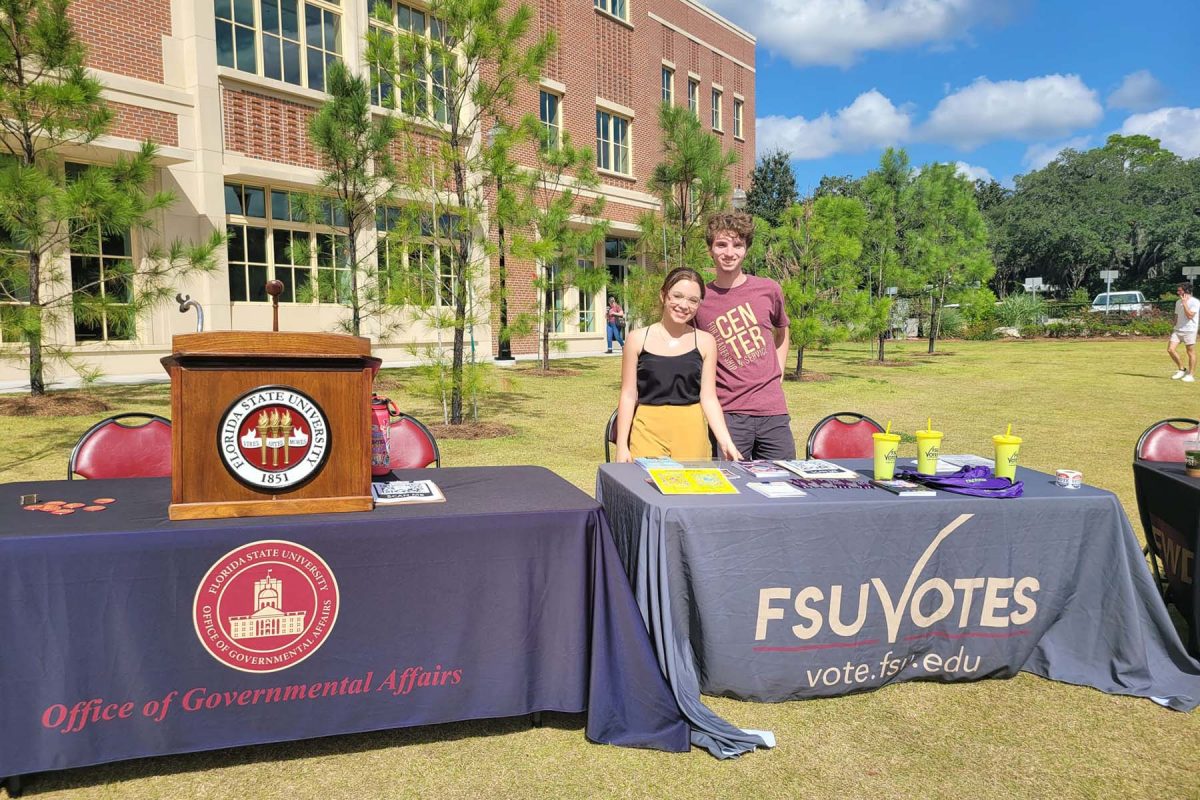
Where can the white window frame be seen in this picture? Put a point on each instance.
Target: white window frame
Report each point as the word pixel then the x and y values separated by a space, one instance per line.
pixel 738 112
pixel 609 149
pixel 717 99
pixel 668 85
pixel 331 8
pixel 553 126
pixel 617 9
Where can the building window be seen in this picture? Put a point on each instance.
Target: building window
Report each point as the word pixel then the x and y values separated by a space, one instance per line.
pixel 289 40
pixel 275 234
pixel 694 97
pixel 587 302
pixel 612 142
pixel 415 258
pixel 619 256
pixel 555 312
pixel 737 119
pixel 668 85
pixel 550 112
pixel 14 287
pixel 101 277
pixel 618 8
pixel 418 65
pixel 716 109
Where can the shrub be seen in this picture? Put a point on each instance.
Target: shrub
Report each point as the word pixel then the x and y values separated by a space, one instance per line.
pixel 1020 311
pixel 952 324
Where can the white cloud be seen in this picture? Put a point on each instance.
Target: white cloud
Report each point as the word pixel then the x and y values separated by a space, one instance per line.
pixel 973 172
pixel 1042 153
pixel 1139 91
pixel 872 120
pixel 1177 128
pixel 1050 105
pixel 836 32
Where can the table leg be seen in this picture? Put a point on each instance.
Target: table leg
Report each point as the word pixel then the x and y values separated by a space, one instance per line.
pixel 13 784
pixel 535 719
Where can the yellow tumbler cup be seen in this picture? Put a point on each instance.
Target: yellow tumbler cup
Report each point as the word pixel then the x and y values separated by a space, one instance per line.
pixel 929 445
pixel 886 446
pixel 1007 447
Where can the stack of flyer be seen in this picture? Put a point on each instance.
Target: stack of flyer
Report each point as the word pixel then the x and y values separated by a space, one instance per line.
pixel 388 493
pixel 817 469
pixel 776 489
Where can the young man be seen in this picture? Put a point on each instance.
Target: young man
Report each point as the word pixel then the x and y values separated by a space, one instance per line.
pixel 745 314
pixel 1187 316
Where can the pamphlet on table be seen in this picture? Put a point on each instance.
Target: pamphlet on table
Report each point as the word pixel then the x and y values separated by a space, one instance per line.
pixel 776 489
pixel 396 492
pixel 691 481
pixel 905 488
pixel 817 469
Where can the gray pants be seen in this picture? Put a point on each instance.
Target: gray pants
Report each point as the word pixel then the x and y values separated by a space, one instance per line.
pixel 759 437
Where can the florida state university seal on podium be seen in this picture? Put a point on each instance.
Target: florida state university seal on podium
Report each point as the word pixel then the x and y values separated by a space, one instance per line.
pixel 274 437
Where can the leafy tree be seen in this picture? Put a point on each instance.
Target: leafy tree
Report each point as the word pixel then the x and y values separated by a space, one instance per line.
pixel 47 208
pixel 355 146
pixel 1129 205
pixel 949 240
pixel 887 192
pixel 692 182
pixel 467 73
pixel 772 187
pixel 814 254
pixel 554 202
pixel 838 186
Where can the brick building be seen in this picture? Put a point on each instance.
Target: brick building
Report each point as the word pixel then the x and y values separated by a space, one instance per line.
pixel 227 87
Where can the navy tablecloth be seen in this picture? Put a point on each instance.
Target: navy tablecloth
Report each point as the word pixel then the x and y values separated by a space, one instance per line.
pixel 1169 504
pixel 507 599
pixel 852 589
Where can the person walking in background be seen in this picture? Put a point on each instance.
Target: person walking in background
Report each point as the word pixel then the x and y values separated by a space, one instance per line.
pixel 616 324
pixel 746 316
pixel 668 382
pixel 1187 318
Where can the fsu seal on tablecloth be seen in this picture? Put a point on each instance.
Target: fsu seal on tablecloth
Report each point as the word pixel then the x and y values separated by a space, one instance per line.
pixel 273 438
pixel 265 606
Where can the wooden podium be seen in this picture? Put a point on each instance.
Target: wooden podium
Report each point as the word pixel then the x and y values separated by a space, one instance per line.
pixel 269 423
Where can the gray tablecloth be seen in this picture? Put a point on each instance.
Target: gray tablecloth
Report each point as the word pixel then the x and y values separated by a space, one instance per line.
pixel 852 589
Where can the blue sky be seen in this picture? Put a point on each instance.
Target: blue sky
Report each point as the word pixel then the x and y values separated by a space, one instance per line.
pixel 998 85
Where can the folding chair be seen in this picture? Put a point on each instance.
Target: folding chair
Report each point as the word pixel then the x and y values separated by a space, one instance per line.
pixel 412 445
pixel 1165 440
pixel 113 448
pixel 834 437
pixel 610 436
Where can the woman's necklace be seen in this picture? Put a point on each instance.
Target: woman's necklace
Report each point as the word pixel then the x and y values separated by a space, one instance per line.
pixel 672 341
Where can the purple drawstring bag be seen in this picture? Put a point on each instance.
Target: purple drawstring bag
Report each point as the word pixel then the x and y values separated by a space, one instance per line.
pixel 973 481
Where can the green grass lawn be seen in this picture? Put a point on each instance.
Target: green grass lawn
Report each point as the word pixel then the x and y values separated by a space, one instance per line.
pixel 1078 405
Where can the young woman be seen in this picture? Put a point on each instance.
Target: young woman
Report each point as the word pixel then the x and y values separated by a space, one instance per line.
pixel 668 382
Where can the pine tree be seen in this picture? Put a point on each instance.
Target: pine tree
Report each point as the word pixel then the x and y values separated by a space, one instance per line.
pixel 772 187
pixel 465 74
pixel 47 207
pixel 355 147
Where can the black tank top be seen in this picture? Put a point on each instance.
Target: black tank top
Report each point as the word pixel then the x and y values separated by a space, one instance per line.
pixel 669 380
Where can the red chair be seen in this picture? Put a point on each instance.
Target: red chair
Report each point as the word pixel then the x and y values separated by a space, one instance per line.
pixel 114 449
pixel 1165 440
pixel 412 445
pixel 846 434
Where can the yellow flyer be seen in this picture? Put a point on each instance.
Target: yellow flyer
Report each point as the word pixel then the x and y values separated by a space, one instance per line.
pixel 691 481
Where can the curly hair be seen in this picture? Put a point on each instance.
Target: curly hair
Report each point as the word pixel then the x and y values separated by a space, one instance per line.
pixel 738 223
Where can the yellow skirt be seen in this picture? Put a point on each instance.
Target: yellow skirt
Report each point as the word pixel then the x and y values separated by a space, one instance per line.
pixel 675 431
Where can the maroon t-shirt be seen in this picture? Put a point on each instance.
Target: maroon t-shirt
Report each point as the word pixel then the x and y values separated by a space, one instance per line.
pixel 743 320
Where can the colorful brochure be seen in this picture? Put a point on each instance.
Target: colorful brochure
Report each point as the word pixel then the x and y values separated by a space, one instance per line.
pixel 691 481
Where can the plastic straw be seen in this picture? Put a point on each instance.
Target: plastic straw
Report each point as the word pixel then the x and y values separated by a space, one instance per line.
pixel 889 428
pixel 1009 431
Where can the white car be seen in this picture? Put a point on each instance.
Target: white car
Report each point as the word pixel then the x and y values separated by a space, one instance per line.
pixel 1129 302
